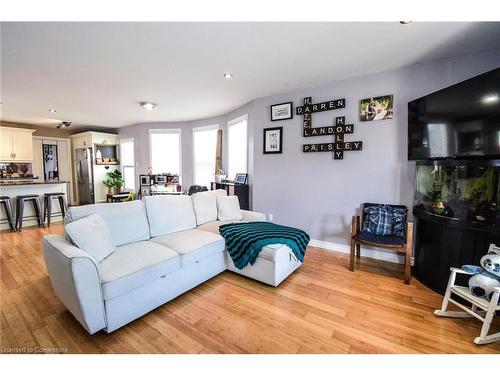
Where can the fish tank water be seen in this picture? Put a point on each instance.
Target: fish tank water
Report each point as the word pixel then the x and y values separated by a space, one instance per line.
pixel 467 192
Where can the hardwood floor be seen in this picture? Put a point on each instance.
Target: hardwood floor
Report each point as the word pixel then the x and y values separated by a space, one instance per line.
pixel 321 308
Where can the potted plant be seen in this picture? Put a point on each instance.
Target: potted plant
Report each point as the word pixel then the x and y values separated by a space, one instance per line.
pixel 108 182
pixel 115 180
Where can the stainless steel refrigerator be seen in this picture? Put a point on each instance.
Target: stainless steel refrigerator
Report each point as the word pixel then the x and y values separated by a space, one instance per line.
pixel 84 175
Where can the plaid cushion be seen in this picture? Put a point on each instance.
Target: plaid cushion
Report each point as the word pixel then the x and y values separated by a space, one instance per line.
pixel 378 220
pixel 385 220
pixel 398 222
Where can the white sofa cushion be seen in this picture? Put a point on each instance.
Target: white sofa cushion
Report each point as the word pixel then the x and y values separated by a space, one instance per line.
pixel 193 245
pixel 127 221
pixel 205 205
pixel 169 213
pixel 92 235
pixel 228 208
pixel 213 226
pixel 136 264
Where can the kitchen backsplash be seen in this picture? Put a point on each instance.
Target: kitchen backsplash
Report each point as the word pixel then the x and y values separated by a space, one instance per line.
pixel 16 170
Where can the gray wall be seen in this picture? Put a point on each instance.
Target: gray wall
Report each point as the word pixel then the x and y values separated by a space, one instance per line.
pixel 311 190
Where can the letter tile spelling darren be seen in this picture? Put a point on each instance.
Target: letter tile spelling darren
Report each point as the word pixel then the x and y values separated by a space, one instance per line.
pixel 337 130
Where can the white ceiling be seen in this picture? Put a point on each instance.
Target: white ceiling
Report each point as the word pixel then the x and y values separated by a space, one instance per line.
pixel 94 74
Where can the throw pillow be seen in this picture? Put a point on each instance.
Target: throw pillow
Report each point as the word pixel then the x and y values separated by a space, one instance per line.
pixel 205 205
pixel 228 208
pixel 378 220
pixel 92 235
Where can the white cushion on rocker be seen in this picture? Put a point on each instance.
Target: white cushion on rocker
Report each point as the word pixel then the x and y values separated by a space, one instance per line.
pixel 228 208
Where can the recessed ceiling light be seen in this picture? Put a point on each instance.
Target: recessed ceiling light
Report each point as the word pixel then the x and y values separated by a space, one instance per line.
pixel 405 22
pixel 228 75
pixel 52 110
pixel 148 106
pixel 490 99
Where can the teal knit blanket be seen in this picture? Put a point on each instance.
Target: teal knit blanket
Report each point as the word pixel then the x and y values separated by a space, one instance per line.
pixel 244 241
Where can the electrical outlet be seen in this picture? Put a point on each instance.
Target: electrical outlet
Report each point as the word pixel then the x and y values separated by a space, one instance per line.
pixel 271 218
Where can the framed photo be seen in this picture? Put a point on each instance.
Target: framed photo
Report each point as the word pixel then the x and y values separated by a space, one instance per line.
pixel 376 108
pixel 241 178
pixel 173 179
pixel 273 140
pixel 282 111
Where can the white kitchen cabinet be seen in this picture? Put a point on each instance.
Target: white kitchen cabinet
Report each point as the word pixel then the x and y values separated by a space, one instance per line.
pixel 16 144
pixel 64 150
pixel 5 145
pixel 81 141
pixel 37 157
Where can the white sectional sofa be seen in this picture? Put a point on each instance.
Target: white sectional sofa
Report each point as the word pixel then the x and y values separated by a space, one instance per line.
pixel 164 246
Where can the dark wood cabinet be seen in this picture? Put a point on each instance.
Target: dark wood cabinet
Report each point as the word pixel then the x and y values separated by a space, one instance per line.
pixel 441 243
pixel 240 190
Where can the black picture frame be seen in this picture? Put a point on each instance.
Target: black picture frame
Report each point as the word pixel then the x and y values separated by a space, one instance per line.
pixel 279 148
pixel 290 111
pixel 241 178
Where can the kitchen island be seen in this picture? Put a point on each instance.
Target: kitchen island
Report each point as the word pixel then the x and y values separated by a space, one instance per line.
pixel 12 188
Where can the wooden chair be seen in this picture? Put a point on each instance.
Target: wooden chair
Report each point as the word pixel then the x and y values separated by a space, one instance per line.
pixel 480 307
pixel 393 243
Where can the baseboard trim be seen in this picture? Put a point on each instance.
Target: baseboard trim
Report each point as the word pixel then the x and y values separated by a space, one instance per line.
pixel 387 256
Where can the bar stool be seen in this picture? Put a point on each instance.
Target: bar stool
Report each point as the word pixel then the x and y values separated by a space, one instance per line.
pixel 21 199
pixel 47 203
pixel 5 202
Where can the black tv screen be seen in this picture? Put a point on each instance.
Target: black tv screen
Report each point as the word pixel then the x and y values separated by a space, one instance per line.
pixel 461 121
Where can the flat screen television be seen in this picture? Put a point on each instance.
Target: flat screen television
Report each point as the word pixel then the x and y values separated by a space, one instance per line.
pixel 461 121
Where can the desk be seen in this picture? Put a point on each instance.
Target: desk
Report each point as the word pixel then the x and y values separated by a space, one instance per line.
pixel 167 192
pixel 113 198
pixel 240 190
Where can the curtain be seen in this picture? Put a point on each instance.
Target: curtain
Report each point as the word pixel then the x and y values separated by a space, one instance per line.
pixel 218 152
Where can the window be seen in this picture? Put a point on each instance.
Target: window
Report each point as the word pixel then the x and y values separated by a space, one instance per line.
pixel 165 151
pixel 237 146
pixel 128 163
pixel 204 147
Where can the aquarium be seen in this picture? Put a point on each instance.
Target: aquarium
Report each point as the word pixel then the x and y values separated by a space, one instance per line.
pixel 468 191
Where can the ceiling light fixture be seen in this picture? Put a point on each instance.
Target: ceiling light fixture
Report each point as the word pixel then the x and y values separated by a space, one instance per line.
pixel 228 75
pixel 405 22
pixel 52 110
pixel 63 124
pixel 490 99
pixel 148 106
